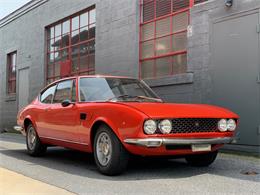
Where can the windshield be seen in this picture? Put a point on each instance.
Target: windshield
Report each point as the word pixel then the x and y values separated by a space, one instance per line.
pixel 115 89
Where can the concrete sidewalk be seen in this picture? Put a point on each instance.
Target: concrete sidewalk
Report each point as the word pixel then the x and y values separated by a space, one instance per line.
pixel 14 183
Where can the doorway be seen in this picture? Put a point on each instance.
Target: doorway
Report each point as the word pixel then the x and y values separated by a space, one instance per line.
pixel 235 72
pixel 23 87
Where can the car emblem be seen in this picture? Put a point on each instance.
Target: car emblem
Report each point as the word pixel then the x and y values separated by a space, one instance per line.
pixel 197 124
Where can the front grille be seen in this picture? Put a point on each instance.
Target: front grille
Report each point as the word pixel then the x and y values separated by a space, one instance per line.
pixel 194 125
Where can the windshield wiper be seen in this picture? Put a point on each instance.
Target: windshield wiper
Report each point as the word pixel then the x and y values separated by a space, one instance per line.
pixel 122 96
pixel 134 97
pixel 148 98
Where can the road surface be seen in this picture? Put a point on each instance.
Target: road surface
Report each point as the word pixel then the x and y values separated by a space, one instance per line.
pixel 76 172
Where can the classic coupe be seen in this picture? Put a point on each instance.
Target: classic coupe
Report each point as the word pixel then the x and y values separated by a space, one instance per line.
pixel 116 117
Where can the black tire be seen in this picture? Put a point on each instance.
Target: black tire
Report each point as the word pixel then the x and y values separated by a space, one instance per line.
pixel 37 148
pixel 119 156
pixel 201 160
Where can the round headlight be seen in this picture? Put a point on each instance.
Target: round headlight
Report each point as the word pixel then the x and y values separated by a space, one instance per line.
pixel 165 126
pixel 231 125
pixel 150 127
pixel 222 125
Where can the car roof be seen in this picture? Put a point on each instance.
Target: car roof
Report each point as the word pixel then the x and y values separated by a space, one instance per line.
pixel 84 76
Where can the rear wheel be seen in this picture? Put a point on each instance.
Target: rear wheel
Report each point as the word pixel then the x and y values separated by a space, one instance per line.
pixel 34 145
pixel 201 160
pixel 110 155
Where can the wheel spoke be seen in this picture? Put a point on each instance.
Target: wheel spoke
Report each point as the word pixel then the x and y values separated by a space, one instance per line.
pixel 103 148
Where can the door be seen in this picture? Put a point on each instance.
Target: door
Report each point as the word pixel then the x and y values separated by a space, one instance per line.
pixel 63 120
pixel 23 88
pixel 235 72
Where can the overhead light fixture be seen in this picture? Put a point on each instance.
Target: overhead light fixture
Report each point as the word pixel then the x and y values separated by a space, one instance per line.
pixel 228 3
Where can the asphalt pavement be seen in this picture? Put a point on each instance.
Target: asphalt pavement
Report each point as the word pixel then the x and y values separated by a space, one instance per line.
pixel 76 172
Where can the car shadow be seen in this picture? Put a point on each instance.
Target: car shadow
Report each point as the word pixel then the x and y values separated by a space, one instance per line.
pixel 82 164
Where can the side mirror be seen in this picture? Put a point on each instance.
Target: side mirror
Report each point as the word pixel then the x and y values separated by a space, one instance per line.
pixel 66 103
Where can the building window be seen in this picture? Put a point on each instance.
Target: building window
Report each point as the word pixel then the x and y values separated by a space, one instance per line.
pixel 11 73
pixel 199 1
pixel 163 37
pixel 71 46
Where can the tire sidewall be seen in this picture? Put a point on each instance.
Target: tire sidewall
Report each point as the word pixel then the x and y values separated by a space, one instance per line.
pixel 104 129
pixel 119 156
pixel 39 149
pixel 27 139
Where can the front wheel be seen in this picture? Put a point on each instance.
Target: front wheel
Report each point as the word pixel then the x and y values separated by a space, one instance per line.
pixel 110 155
pixel 201 160
pixel 34 145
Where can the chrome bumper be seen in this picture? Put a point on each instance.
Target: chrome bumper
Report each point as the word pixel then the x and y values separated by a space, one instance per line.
pixel 157 142
pixel 20 129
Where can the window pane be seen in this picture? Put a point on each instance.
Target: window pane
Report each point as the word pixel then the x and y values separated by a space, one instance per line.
pixel 75 23
pixel 179 64
pixel 84 19
pixel 92 29
pixel 147 69
pixel 66 27
pixel 50 58
pixel 179 41
pixel 163 45
pixel 50 70
pixel 75 59
pixel 57 56
pixel 148 49
pixel 63 91
pixel 64 55
pixel 57 30
pixel 47 95
pixel 84 56
pixel 199 1
pixel 180 21
pixel 91 62
pixel 65 40
pixel 73 99
pixel 51 45
pixel 57 43
pixel 179 4
pixel 84 33
pixel 148 31
pixel 148 11
pixel 163 66
pixel 13 59
pixel 75 37
pixel 92 16
pixel 57 69
pixel 91 47
pixel 163 7
pixel 163 27
pixel 52 32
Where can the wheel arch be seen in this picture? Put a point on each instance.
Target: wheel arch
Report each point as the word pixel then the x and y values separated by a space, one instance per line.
pixel 27 121
pixel 95 127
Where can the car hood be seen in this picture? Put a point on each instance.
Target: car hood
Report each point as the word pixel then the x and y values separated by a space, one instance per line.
pixel 171 110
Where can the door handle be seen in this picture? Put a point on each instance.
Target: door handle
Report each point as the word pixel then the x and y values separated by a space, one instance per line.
pixel 47 109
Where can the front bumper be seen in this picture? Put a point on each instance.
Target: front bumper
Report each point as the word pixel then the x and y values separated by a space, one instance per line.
pixel 20 129
pixel 157 142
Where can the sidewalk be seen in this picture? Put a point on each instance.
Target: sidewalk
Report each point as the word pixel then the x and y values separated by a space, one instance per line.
pixel 14 183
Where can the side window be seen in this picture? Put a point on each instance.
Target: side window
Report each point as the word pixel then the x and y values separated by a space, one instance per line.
pixel 73 97
pixel 47 95
pixel 63 91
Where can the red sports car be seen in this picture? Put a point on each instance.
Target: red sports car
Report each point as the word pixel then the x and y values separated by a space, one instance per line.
pixel 114 117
